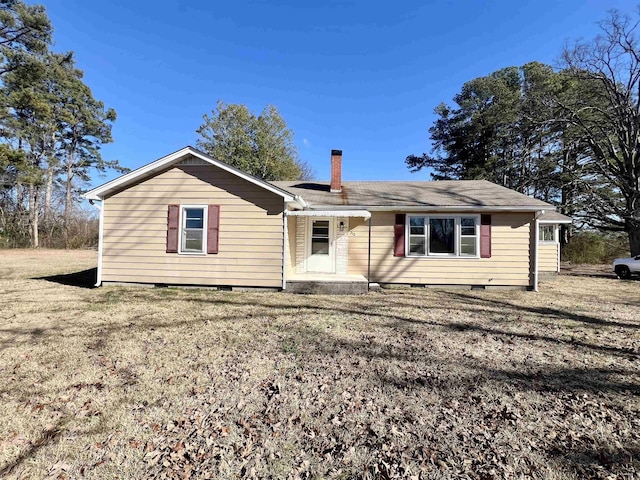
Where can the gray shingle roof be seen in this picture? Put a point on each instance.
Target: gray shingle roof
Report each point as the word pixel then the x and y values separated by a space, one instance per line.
pixel 453 193
pixel 557 217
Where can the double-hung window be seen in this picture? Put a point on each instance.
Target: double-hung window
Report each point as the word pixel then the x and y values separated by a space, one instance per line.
pixel 547 233
pixel 443 235
pixel 193 228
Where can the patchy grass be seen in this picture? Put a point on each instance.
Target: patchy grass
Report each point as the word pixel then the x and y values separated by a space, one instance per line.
pixel 22 264
pixel 130 382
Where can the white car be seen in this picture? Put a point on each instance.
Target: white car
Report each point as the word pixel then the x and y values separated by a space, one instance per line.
pixel 625 267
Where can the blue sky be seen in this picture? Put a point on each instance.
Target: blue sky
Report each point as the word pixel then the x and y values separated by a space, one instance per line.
pixel 361 76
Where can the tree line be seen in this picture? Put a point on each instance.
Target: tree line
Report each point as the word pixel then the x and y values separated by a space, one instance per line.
pixel 567 135
pixel 51 132
pixel 52 129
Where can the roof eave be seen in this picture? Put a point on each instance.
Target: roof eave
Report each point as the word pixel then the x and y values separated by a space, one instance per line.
pixel 422 208
pixel 555 221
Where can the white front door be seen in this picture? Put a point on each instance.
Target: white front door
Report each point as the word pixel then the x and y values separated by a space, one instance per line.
pixel 320 245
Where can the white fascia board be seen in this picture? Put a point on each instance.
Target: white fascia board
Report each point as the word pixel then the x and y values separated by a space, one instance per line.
pixel 555 221
pixel 432 208
pixel 158 165
pixel 329 213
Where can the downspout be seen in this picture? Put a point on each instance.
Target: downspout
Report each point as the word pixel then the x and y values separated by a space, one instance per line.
pixel 556 236
pixel 100 234
pixel 369 254
pixel 285 248
pixel 536 236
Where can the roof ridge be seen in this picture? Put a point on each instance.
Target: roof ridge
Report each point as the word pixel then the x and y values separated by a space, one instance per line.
pixel 391 181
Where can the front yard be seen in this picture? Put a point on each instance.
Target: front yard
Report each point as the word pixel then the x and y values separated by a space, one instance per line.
pixel 135 383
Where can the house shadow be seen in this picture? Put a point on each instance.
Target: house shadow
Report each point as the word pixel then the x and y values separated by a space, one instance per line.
pixel 83 279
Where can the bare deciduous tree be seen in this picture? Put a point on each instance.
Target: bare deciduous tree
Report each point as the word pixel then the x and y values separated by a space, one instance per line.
pixel 607 116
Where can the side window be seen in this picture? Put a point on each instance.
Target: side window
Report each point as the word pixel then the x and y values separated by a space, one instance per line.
pixel 468 236
pixel 417 236
pixel 193 228
pixel 547 233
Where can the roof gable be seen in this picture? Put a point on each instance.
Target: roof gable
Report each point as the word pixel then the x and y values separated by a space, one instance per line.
pixel 146 171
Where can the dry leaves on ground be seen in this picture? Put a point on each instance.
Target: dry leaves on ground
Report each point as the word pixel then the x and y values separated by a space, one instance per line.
pixel 168 383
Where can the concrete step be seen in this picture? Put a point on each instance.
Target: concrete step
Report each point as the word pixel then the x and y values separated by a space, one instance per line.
pixel 325 287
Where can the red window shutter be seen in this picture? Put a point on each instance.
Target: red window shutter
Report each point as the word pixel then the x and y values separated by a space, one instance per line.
pixel 485 236
pixel 173 220
pixel 213 228
pixel 398 235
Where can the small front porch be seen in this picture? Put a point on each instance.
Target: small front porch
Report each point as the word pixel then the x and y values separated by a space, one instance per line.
pixel 318 252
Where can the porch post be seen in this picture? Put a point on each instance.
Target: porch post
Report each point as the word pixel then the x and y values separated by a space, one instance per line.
pixel 369 253
pixel 285 248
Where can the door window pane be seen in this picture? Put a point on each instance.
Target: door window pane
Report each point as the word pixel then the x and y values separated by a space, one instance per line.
pixel 320 246
pixel 321 228
pixel 320 237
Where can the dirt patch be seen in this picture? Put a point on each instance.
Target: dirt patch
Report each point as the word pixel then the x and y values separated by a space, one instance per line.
pixel 140 383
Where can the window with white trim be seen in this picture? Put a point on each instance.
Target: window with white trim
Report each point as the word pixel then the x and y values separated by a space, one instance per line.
pixel 547 233
pixel 193 228
pixel 443 235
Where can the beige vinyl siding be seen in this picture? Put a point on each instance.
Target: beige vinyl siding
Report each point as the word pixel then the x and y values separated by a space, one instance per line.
pixel 548 257
pixel 291 247
pixel 358 244
pixel 250 237
pixel 509 263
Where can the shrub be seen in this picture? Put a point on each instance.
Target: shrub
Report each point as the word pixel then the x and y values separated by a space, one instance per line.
pixel 595 248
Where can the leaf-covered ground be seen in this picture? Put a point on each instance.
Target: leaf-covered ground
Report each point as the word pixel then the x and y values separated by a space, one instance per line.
pixel 418 383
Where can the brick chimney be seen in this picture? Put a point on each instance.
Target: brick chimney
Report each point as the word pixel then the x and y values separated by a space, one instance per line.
pixel 336 171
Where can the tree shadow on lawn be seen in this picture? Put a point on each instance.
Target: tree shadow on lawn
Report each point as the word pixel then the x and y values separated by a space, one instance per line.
pixel 473 373
pixel 596 380
pixel 554 313
pixel 556 390
pixel 53 433
pixel 49 435
pixel 541 379
pixel 22 336
pixel 82 279
pixel 593 380
pixel 465 326
pixel 401 321
pixel 394 320
pixel 569 379
pixel 581 459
